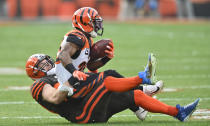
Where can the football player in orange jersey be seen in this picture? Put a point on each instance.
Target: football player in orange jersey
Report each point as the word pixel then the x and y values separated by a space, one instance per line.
pixel 40 67
pixel 73 54
pixel 99 103
pixel 75 48
pixel 73 57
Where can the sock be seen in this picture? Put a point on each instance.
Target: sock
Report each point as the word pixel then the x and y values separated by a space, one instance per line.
pixel 153 105
pixel 121 84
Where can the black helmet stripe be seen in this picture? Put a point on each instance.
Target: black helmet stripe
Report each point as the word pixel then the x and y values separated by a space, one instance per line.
pixel 82 15
pixel 93 13
pixel 89 11
pixel 75 19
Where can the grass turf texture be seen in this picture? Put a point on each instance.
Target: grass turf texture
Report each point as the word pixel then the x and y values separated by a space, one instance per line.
pixel 183 62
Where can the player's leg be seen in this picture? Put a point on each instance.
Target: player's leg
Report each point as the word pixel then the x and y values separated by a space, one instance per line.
pixel 125 84
pixel 149 90
pixel 155 106
pixel 121 101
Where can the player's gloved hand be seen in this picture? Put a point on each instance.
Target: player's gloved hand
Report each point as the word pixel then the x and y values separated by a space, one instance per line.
pixel 110 50
pixel 80 75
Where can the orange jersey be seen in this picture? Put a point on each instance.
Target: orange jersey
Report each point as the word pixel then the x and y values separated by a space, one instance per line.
pixel 81 57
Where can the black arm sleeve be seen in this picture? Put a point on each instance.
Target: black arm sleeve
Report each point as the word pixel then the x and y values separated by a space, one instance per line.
pixel 76 40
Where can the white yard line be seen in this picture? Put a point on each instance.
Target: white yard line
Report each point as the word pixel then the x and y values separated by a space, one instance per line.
pixel 20 71
pixel 31 117
pixel 11 71
pixel 15 102
pixel 172 89
pixel 161 99
pixel 198 114
pixel 185 76
pixel 182 99
pixel 16 88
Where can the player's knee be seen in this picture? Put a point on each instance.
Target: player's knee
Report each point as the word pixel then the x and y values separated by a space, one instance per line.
pixel 112 73
pixel 138 93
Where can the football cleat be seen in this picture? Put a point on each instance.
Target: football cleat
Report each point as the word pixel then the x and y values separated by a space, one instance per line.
pixel 148 75
pixel 153 89
pixel 186 111
pixel 141 113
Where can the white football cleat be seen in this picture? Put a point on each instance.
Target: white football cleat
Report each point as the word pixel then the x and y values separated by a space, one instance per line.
pixel 141 113
pixel 153 89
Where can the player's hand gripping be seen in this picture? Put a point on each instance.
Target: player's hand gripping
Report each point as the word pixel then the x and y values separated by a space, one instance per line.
pixel 80 75
pixel 110 50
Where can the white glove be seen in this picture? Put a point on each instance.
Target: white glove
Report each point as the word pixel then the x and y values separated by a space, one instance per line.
pixel 66 88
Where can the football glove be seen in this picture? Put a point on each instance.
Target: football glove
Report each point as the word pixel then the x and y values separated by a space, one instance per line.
pixel 80 75
pixel 110 50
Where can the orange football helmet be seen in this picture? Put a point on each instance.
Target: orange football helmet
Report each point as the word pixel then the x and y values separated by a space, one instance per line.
pixel 33 68
pixel 88 20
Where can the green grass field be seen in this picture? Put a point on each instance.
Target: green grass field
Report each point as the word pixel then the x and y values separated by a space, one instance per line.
pixel 183 52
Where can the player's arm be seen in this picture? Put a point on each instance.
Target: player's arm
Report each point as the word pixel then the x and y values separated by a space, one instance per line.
pixel 68 50
pixel 53 95
pixel 96 64
pixel 42 90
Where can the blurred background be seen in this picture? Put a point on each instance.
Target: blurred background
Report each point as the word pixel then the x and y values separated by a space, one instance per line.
pixel 109 9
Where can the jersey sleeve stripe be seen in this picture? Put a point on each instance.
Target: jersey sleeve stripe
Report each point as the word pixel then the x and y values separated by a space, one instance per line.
pixel 34 86
pixel 100 77
pixel 38 91
pixel 56 85
pixel 37 87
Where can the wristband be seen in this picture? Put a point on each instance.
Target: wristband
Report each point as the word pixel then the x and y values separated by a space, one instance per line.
pixel 105 59
pixel 70 67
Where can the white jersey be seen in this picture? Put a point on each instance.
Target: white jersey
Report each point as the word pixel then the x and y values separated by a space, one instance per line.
pixel 80 60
